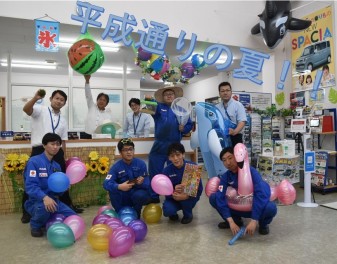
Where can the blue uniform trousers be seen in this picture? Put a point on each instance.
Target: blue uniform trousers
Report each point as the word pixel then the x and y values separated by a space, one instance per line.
pixel 171 206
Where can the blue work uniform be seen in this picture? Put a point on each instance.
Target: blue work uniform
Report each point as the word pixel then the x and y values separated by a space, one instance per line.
pixel 263 210
pixel 171 206
pixel 121 172
pixel 166 132
pixel 36 174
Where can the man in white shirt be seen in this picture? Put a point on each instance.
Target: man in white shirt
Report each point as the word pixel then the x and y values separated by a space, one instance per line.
pixel 136 124
pixel 97 113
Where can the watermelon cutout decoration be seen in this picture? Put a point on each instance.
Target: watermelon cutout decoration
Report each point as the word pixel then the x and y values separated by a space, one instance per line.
pixel 85 56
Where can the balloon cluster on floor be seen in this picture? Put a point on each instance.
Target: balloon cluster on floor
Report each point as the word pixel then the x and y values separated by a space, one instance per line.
pixel 118 232
pixel 63 231
pixel 160 67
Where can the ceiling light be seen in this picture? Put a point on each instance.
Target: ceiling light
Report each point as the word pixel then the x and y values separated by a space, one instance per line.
pixel 117 70
pixel 30 64
pixel 108 47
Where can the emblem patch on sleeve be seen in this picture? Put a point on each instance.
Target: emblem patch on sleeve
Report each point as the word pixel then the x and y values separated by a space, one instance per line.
pixel 32 173
pixel 220 188
pixel 108 177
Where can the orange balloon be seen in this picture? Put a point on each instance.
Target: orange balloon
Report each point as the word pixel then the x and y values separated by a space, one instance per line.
pixel 98 236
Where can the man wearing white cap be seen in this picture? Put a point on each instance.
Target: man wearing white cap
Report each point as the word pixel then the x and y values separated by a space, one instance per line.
pixel 167 131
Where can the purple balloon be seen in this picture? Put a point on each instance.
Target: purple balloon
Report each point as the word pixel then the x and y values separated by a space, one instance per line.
pixel 99 219
pixel 60 217
pixel 53 221
pixel 187 70
pixel 113 223
pixel 121 241
pixel 143 55
pixel 140 229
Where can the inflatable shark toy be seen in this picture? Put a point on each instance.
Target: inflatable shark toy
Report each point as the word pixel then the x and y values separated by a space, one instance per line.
pixel 275 20
pixel 212 136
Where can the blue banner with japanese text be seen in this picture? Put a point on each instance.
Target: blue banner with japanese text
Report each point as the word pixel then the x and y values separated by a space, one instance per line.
pixel 47 35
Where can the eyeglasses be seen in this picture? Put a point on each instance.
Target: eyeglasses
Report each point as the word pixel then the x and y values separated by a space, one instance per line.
pixel 128 149
pixel 126 140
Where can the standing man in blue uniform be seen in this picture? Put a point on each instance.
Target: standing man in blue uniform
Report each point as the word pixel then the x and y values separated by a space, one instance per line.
pixel 42 202
pixel 233 111
pixel 179 200
pixel 167 131
pixel 263 210
pixel 126 181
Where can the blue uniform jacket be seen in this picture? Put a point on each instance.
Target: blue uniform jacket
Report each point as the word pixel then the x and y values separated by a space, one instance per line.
pixel 261 193
pixel 121 172
pixel 176 176
pixel 36 174
pixel 167 126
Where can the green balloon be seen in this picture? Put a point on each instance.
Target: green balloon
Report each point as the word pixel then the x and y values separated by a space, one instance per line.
pixel 60 235
pixel 110 212
pixel 109 129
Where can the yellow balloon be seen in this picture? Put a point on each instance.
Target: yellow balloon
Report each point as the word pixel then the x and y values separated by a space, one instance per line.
pixel 98 236
pixel 152 213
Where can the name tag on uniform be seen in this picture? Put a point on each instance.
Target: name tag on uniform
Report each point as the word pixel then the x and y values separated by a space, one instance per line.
pixel 32 173
pixel 43 174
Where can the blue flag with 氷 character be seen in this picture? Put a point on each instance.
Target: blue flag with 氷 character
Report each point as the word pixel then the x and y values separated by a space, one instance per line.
pixel 47 36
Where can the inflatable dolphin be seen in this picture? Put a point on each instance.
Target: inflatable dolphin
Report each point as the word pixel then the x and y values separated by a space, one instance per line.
pixel 275 20
pixel 212 136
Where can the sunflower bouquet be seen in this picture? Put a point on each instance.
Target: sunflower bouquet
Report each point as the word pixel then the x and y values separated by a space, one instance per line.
pixel 97 164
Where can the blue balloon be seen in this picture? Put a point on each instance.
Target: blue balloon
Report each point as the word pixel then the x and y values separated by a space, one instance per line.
pixel 126 218
pixel 127 210
pixel 58 182
pixel 198 61
pixel 60 235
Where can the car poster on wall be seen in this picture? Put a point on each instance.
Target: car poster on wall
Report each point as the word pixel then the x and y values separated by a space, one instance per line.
pixel 312 50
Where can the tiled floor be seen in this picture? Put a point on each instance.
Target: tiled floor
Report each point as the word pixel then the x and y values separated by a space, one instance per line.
pixel 297 235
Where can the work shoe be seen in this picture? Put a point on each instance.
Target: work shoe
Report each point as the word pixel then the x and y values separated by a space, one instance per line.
pixel 225 225
pixel 186 220
pixel 76 209
pixel 36 232
pixel 25 218
pixel 264 230
pixel 174 217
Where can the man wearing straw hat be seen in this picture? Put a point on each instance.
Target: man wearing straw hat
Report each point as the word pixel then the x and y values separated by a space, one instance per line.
pixel 167 131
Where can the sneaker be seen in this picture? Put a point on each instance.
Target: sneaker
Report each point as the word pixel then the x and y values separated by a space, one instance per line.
pixel 25 218
pixel 225 225
pixel 76 209
pixel 186 220
pixel 36 232
pixel 264 230
pixel 174 217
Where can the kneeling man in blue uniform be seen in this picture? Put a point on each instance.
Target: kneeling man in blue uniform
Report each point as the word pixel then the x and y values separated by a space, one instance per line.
pixel 179 200
pixel 43 202
pixel 263 211
pixel 126 181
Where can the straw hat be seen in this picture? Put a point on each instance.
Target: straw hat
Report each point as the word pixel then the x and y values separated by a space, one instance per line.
pixel 98 129
pixel 178 91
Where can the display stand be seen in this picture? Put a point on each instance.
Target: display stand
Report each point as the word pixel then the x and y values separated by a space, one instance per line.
pixel 307 179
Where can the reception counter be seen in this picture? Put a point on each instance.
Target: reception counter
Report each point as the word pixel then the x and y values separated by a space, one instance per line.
pixel 87 192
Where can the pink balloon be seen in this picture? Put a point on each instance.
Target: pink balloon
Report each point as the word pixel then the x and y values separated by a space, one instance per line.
pixel 76 171
pixel 113 223
pixel 273 193
pixel 100 219
pixel 121 241
pixel 162 184
pixel 286 192
pixel 212 186
pixel 76 224
pixel 70 160
pixel 104 207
